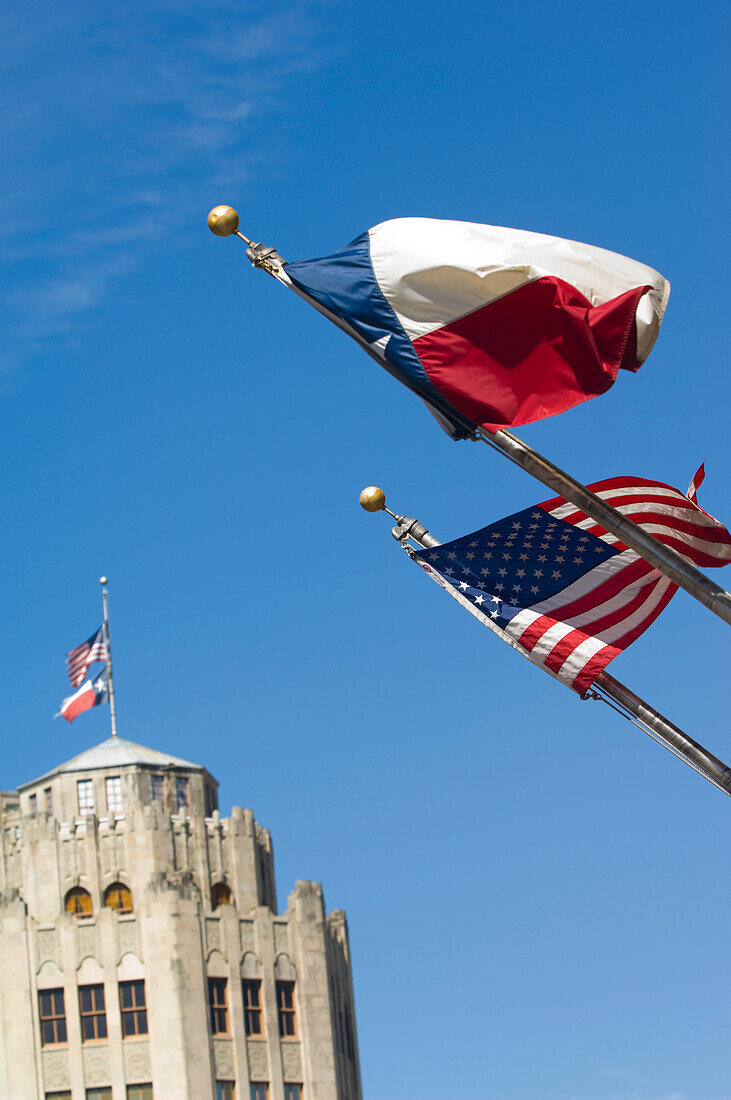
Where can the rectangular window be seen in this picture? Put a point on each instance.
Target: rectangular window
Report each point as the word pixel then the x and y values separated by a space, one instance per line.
pixel 114 794
pixel 53 1016
pixel 139 1092
pixel 48 796
pixel 133 1004
pixel 252 1006
pixel 259 1090
pixel 158 789
pixel 93 1012
pixel 33 804
pixel 99 1094
pixel 57 1095
pixel 217 1004
pixel 86 797
pixel 225 1090
pixel 293 1092
pixel 285 1010
pixel 181 794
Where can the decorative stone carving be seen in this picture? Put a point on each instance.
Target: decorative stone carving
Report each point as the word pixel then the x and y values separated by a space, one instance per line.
pixel 96 1064
pixel 86 934
pixel 127 934
pixel 68 863
pixel 136 1054
pixel 223 1057
pixel 246 930
pixel 292 1061
pixel 107 852
pixel 281 943
pixel 56 1074
pixel 48 947
pixel 258 1060
pixel 213 934
pixel 181 848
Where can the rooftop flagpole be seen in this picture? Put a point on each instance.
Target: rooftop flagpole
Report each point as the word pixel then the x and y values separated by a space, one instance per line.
pixel 223 221
pixel 604 688
pixel 108 645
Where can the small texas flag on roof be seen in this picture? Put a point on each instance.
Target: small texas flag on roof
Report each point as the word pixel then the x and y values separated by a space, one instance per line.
pixel 90 694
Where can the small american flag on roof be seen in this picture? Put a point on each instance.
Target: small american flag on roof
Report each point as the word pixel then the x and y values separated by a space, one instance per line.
pixel 79 659
pixel 568 592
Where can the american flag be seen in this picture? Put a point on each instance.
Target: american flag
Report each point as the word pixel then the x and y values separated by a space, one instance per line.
pixel 569 593
pixel 79 659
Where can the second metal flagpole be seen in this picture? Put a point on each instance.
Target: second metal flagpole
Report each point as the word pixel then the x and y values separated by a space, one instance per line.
pixel 224 222
pixel 625 700
pixel 108 645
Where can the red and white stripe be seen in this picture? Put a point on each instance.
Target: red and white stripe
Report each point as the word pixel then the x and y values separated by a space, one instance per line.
pixel 576 633
pixel 79 659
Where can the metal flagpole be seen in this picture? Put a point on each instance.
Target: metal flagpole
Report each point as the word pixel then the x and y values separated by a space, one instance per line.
pixel 224 222
pixel 108 645
pixel 619 696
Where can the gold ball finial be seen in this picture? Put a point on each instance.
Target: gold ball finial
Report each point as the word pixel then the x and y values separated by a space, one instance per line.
pixel 373 499
pixel 223 221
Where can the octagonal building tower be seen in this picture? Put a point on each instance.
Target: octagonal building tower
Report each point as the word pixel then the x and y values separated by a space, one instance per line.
pixel 141 953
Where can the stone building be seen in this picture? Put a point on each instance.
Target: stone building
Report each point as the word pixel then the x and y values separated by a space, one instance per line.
pixel 142 956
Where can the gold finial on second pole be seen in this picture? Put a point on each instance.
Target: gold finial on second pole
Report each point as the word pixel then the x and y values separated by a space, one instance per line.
pixel 224 222
pixel 373 499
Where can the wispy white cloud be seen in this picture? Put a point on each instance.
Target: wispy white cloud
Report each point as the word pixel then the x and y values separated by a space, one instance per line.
pixel 121 122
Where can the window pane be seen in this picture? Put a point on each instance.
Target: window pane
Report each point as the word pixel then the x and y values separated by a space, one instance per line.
pixel 293 1092
pixel 57 1095
pixel 118 897
pixel 93 1012
pixel 224 1090
pixel 285 1009
pixel 78 901
pixel 99 1094
pixel 217 1003
pixel 114 794
pixel 259 1090
pixel 86 797
pixel 34 804
pixel 132 1001
pixel 139 1092
pixel 157 788
pixel 48 794
pixel 52 1015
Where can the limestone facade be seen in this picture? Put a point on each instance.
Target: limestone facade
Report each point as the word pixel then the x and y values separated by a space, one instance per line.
pixel 175 976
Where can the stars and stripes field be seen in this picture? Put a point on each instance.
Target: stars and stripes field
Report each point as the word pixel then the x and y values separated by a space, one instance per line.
pixel 568 592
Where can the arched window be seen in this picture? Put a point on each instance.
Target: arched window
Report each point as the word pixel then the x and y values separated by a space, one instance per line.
pixel 220 895
pixel 78 902
pixel 118 897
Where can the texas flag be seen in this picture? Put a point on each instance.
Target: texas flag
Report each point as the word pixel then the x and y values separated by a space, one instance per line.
pixel 90 694
pixel 491 327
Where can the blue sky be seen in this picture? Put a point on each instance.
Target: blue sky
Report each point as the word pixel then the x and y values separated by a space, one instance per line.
pixel 537 894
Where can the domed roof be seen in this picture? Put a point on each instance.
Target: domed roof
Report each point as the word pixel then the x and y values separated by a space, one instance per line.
pixel 115 752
